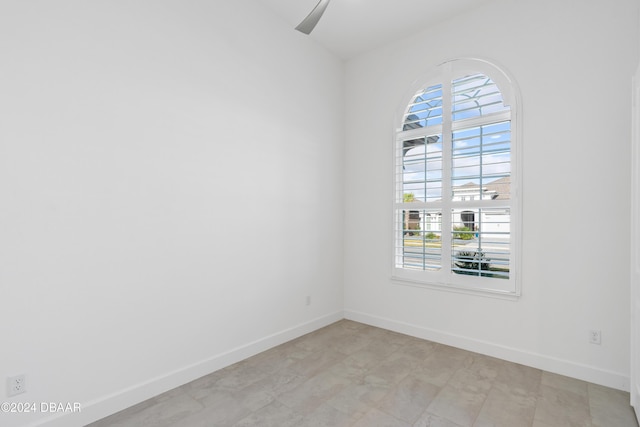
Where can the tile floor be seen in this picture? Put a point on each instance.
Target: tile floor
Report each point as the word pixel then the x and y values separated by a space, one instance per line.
pixel 350 374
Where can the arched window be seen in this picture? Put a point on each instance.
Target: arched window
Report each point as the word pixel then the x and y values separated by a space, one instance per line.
pixel 456 157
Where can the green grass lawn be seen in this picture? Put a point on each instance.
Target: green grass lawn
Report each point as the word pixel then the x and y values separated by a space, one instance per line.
pixel 418 243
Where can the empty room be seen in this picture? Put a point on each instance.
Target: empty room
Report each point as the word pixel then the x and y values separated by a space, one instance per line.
pixel 334 213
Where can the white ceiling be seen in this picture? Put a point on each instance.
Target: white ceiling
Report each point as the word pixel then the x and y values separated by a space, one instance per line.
pixel 351 27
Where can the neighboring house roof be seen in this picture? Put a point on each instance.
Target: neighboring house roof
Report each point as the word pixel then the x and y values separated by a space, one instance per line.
pixel 501 187
pixel 468 185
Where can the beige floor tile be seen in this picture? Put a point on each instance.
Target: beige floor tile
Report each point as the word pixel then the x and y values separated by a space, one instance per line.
pixel 561 407
pixel 419 349
pixel 272 415
pixel 518 379
pixel 281 382
pixel 314 341
pixel 328 416
pixel 564 383
pixel 428 419
pixel 461 406
pixel 351 374
pixel 391 371
pixel 276 359
pixel 358 399
pixel 205 383
pixel 240 375
pixel 165 412
pixel 486 366
pixel 439 367
pixel 610 407
pixel 371 355
pixel 313 392
pixel 538 423
pixel 221 408
pixel 214 416
pixel 409 399
pixel 502 409
pixel 348 342
pixel 474 381
pixel 377 418
pixel 316 362
pixel 256 395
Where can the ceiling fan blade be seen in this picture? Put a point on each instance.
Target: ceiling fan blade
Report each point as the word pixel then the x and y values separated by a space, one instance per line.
pixel 310 22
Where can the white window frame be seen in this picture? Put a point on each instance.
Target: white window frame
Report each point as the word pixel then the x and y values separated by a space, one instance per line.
pixel 445 278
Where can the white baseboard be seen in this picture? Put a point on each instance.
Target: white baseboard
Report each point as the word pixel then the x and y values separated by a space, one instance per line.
pixel 551 364
pixel 122 399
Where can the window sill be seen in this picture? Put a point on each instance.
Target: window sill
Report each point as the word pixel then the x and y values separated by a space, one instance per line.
pixel 456 288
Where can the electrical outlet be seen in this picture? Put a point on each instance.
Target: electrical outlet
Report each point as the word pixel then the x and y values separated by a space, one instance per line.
pixel 595 337
pixel 16 385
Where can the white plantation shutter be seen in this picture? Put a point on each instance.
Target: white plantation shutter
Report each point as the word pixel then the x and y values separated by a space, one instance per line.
pixel 455 208
pixel 474 96
pixel 425 109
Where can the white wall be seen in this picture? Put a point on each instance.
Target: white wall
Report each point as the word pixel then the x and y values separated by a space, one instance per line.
pixel 634 252
pixel 171 191
pixel 573 62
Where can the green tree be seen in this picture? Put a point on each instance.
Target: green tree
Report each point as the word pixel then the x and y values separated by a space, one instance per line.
pixel 462 233
pixel 407 198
